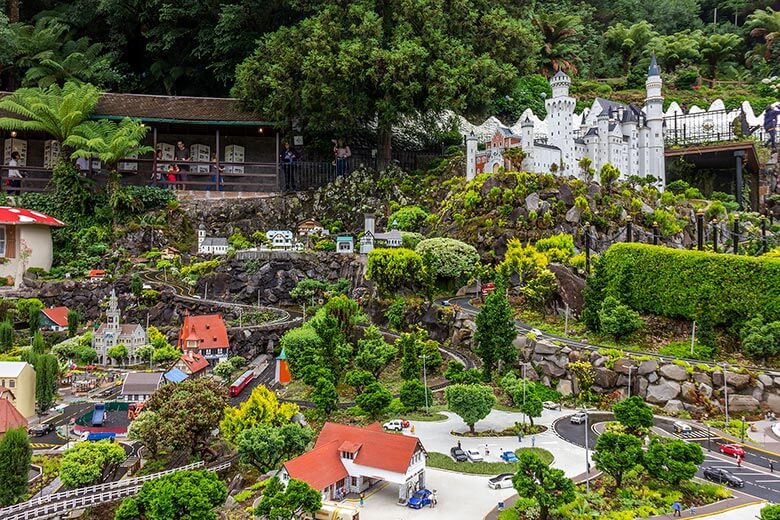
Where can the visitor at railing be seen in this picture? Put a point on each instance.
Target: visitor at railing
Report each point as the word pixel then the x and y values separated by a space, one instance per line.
pixel 217 179
pixel 14 175
pixel 770 124
pixel 288 158
pixel 182 156
pixel 341 152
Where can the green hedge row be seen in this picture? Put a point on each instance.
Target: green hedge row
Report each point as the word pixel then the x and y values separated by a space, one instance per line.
pixel 677 283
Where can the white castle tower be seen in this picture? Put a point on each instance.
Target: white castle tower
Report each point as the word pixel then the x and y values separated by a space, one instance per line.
pixel 560 120
pixel 655 121
pixel 201 235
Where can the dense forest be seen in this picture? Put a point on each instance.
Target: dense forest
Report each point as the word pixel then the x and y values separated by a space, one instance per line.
pixel 338 63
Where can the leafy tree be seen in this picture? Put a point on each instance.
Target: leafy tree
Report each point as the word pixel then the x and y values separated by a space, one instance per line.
pixel 617 453
pixel 262 408
pixel 307 289
pixel 34 319
pixel 38 343
pixel 608 175
pixel 136 285
pixel 495 332
pixel 188 412
pixel 449 258
pixel 145 353
pixel 85 463
pixel 374 399
pixel 770 512
pixel 224 369
pixel 719 50
pixel 529 91
pixel 410 345
pixel 395 269
pixel 373 352
pixel 672 461
pixel 531 406
pixel 165 354
pixel 302 346
pixel 47 370
pixel 265 447
pixel 764 26
pixel 618 320
pixel 549 487
pixel 413 394
pixel 296 500
pixel 540 290
pixel 558 31
pixel 6 335
pixel 634 414
pixel 73 322
pixel 186 494
pixel 324 396
pixel 630 41
pixel 408 218
pixel 409 65
pixel 157 338
pixel 359 379
pixel 346 311
pixel 674 50
pixel 15 457
pixel 456 373
pixel 150 430
pixel 118 353
pixel 335 351
pixel 85 355
pixel 759 339
pixel 524 262
pixel 471 402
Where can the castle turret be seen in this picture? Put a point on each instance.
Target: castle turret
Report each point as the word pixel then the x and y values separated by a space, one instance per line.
pixel 527 143
pixel 655 121
pixel 602 157
pixel 201 235
pixel 471 156
pixel 112 314
pixel 560 121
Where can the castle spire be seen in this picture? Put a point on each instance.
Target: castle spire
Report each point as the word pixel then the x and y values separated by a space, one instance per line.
pixel 653 69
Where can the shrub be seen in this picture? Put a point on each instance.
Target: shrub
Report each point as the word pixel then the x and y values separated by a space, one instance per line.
pixel 557 248
pixel 394 269
pixel 683 349
pixel 618 320
pixel 678 284
pixel 409 239
pixel 409 218
pixel 449 258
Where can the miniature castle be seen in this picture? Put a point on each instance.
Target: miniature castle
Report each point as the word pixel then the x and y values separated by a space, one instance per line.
pixel 625 136
pixel 113 333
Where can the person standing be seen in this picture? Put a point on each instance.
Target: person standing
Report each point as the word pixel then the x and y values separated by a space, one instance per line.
pixel 676 507
pixel 182 156
pixel 288 157
pixel 771 466
pixel 341 152
pixel 520 437
pixel 217 179
pixel 739 461
pixel 14 175
pixel 362 499
pixel 770 124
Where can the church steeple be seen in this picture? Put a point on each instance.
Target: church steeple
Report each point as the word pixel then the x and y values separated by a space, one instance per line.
pixel 113 313
pixel 653 69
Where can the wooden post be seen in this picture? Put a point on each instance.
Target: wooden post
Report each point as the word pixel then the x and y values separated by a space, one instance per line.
pixel 218 175
pixel 715 235
pixel 700 230
pixel 154 156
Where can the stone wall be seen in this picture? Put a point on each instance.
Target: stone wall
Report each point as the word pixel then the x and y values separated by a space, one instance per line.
pixel 674 386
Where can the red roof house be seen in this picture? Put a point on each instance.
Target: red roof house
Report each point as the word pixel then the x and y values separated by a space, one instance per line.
pixel 206 335
pixel 351 459
pixel 10 417
pixel 192 363
pixel 25 242
pixel 55 318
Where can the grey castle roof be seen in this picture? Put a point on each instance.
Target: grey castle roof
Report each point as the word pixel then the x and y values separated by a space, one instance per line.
pixel 506 132
pixel 560 75
pixel 653 69
pixel 608 106
pixel 214 242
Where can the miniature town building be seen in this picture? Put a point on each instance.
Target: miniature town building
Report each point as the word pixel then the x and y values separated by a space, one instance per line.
pixel 10 417
pixel 310 227
pixel 139 386
pixel 25 242
pixel 282 371
pixel 206 335
pixel 192 363
pixel 371 238
pixel 54 318
pixel 18 378
pixel 211 245
pixel 345 244
pixel 280 239
pixel 113 333
pixel 96 275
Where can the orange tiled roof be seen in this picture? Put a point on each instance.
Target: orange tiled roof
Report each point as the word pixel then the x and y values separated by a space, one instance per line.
pixel 10 417
pixel 194 361
pixel 209 329
pixel 58 315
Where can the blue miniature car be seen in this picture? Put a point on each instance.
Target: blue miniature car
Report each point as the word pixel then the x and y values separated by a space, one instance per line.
pixel 420 499
pixel 509 456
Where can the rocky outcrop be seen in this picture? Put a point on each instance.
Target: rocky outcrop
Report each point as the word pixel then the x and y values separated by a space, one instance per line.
pixel 675 372
pixel 662 392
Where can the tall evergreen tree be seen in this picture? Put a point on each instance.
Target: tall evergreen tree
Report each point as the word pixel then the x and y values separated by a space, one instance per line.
pixel 6 335
pixel 15 456
pixel 495 332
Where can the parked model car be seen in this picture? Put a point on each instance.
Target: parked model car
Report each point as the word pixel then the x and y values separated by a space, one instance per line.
pixel 509 456
pixel 504 480
pixel 681 427
pixel 458 454
pixel 723 477
pixel 396 425
pixel 420 499
pixel 39 430
pixel 551 405
pixel 474 455
pixel 732 449
pixel 578 418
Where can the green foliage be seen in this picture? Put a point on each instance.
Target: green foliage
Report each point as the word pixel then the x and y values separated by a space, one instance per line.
pixel 186 494
pixel 359 379
pixel 617 453
pixel 265 447
pixel 682 349
pixel 557 248
pixel 302 346
pixel 531 406
pixel 374 399
pixel 296 500
pixel 672 461
pixel 6 335
pixel 38 343
pixel 634 414
pixel 373 352
pixel 608 175
pixel 74 320
pixel 26 306
pixel 457 373
pixel 85 463
pixel 449 258
pixel 47 371
pixel 396 314
pixel 759 339
pixel 413 394
pixel 117 353
pixel 526 93
pixel 583 371
pixel 408 218
pixel 34 319
pixel 677 283
pixel 395 269
pixel 15 457
pixel 495 332
pixel 549 487
pixel 618 320
pixel 471 402
pixel 239 241
pixel 409 240
pixel 770 512
pixel 261 409
pixel 324 396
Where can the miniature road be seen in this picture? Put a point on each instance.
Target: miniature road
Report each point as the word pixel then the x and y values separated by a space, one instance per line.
pixel 759 481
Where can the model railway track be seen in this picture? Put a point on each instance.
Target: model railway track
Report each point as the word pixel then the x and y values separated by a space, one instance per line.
pixel 59 504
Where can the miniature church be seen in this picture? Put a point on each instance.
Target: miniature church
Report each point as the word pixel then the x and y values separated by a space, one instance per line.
pixel 390 238
pixel 625 136
pixel 113 333
pixel 211 245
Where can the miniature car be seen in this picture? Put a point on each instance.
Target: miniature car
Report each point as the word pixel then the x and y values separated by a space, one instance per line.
pixel 732 449
pixel 458 454
pixel 722 476
pixel 551 405
pixel 681 427
pixel 509 456
pixel 474 455
pixel 39 430
pixel 420 499
pixel 504 480
pixel 578 418
pixel 396 425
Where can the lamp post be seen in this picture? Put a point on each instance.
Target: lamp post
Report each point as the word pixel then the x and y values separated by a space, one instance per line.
pixel 630 369
pixel 524 384
pixel 587 462
pixel 425 383
pixel 705 417
pixel 742 430
pixel 725 392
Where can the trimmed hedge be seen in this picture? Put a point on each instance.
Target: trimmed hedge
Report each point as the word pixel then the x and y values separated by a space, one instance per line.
pixel 685 284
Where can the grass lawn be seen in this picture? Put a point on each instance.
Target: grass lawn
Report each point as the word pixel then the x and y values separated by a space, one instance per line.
pixel 434 415
pixel 442 461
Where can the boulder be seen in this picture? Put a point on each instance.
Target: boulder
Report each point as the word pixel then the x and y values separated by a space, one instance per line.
pixel 674 406
pixel 703 378
pixel 600 361
pixel 742 403
pixel 622 366
pixel 688 392
pixel 532 202
pixel 570 287
pixel 675 372
pixel 646 209
pixel 643 384
pixel 777 380
pixel 773 402
pixel 736 381
pixel 553 370
pixel 564 387
pixel 652 377
pixel 605 378
pixel 646 367
pixel 662 392
pixel 573 215
pixel 565 193
pixel 758 394
pixel 705 390
pixel 561 360
pixel 545 348
pixel 766 380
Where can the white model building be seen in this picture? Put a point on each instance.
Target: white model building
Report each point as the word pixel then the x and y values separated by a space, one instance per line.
pixel 629 138
pixel 211 245
pixel 113 333
pixel 390 238
pixel 280 239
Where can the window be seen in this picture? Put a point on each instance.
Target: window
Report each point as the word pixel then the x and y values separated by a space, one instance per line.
pixel 2 241
pixel 11 383
pixel 354 481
